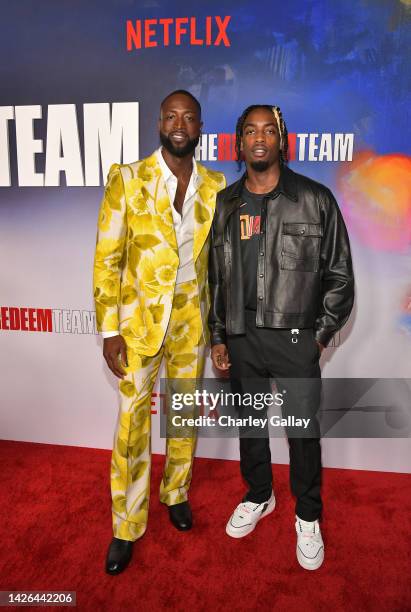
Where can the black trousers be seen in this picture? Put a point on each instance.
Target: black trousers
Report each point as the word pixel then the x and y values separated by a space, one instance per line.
pixel 256 357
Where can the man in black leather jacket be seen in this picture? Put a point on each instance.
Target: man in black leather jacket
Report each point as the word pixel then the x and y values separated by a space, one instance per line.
pixel 281 285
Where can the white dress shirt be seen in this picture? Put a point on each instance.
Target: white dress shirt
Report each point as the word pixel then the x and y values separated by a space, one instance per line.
pixel 183 224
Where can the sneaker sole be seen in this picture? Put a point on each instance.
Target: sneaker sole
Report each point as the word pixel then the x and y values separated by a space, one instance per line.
pixel 306 564
pixel 236 534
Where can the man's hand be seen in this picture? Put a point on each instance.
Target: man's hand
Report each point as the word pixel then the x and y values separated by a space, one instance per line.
pixel 114 348
pixel 219 356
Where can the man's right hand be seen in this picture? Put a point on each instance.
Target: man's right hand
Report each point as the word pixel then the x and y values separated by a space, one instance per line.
pixel 114 348
pixel 219 356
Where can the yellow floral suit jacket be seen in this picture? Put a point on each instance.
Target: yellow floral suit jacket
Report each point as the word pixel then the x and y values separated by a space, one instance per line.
pixel 136 258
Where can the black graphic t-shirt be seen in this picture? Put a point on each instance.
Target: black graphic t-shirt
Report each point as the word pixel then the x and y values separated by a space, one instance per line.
pixel 250 217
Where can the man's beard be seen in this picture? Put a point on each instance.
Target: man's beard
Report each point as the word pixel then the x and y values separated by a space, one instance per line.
pixel 260 166
pixel 179 151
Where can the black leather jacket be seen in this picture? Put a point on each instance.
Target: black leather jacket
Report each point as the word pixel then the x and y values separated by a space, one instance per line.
pixel 304 275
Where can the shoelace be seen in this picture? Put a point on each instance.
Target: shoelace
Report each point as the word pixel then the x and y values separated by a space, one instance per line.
pixel 246 506
pixel 309 531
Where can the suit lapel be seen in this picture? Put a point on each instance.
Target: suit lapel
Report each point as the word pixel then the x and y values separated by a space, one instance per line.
pixel 163 208
pixel 155 194
pixel 204 206
pixel 158 203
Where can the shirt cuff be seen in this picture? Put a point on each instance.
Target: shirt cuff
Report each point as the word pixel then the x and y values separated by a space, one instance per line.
pixel 110 334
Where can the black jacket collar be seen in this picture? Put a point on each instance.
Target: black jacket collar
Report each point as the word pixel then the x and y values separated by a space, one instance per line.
pixel 286 185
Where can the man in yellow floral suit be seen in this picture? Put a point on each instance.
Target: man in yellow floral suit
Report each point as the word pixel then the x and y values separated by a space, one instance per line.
pixel 152 301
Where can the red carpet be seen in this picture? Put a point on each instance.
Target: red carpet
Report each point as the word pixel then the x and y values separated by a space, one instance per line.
pixel 56 528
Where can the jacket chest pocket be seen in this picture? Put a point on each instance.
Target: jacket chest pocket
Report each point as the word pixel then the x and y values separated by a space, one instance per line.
pixel 300 246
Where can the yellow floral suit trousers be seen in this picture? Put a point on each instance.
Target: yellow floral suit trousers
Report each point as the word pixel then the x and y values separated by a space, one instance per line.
pixel 183 351
pixel 135 269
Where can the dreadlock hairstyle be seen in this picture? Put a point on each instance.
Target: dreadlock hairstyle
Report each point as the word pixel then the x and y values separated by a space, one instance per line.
pixel 282 130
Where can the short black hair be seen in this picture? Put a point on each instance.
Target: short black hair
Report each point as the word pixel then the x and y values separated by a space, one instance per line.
pixel 282 129
pixel 183 92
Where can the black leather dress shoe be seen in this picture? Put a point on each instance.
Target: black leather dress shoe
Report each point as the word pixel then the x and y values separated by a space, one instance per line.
pixel 118 555
pixel 180 516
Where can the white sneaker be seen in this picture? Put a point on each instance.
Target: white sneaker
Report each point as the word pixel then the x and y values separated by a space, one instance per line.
pixel 246 516
pixel 310 545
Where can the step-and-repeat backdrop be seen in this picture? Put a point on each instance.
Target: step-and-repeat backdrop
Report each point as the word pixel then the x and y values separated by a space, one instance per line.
pixel 80 89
